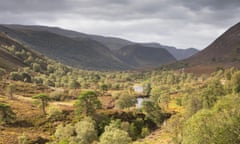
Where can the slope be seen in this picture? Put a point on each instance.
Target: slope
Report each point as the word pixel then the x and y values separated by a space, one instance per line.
pixel 83 53
pixel 113 43
pixel 179 54
pixel 8 61
pixel 140 56
pixel 224 52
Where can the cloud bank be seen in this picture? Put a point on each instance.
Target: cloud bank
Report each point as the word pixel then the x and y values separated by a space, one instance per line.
pixel 180 23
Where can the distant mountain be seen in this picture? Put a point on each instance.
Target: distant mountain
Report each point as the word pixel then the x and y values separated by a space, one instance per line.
pixel 92 51
pixel 14 55
pixel 83 53
pixel 142 56
pixel 8 61
pixel 111 42
pixel 224 52
pixel 179 54
pixel 114 44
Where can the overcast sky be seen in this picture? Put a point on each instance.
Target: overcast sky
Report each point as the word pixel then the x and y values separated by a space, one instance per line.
pixel 180 23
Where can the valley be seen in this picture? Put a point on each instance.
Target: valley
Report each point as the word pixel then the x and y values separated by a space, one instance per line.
pixel 63 87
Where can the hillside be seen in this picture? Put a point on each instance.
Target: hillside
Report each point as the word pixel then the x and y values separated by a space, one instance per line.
pixel 179 54
pixel 83 53
pixel 223 52
pixel 8 61
pixel 113 43
pixel 226 48
pixel 140 56
pixel 79 50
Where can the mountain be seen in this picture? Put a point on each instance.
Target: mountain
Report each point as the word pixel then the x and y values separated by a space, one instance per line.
pixel 114 44
pixel 83 53
pixel 86 51
pixel 224 52
pixel 111 42
pixel 8 61
pixel 179 54
pixel 142 56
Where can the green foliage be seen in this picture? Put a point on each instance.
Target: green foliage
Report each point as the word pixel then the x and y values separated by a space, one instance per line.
pixel 153 112
pixel 83 132
pixel 2 72
pixel 54 113
pixel 20 76
pixel 155 94
pixel 212 93
pixel 11 88
pixel 104 88
pixel 236 82
pixel 193 104
pixel 147 89
pixel 145 132
pixel 26 77
pixel 41 96
pixel 86 132
pixel 15 76
pixel 133 132
pixel 44 99
pixel 50 68
pixel 57 96
pixel 217 125
pixel 74 84
pixel 87 104
pixel 36 67
pixel 114 135
pixel 23 139
pixel 125 101
pixel 64 134
pixel 6 114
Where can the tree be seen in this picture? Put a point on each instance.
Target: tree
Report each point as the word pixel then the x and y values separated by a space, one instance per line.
pixel 155 93
pixel 147 89
pixel 194 104
pixel 212 93
pixel 126 101
pixel 86 132
pixel 23 139
pixel 236 82
pixel 219 124
pixel 87 103
pixel 44 99
pixel 104 88
pixel 36 67
pixel 2 72
pixel 74 84
pixel 10 90
pixel 83 132
pixel 16 76
pixel 153 112
pixel 6 114
pixel 114 135
pixel 64 134
pixel 164 99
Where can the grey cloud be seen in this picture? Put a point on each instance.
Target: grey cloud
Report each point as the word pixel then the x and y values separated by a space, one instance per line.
pixel 167 21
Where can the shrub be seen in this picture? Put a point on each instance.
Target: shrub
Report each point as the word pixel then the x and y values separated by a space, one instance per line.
pixel 54 113
pixel 6 114
pixel 23 139
pixel 114 135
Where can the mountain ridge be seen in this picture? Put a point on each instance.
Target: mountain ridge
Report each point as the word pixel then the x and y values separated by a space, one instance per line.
pixel 113 43
pixel 80 50
pixel 135 54
pixel 224 52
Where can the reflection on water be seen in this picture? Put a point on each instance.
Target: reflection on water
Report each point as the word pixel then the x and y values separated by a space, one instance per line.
pixel 138 88
pixel 140 101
